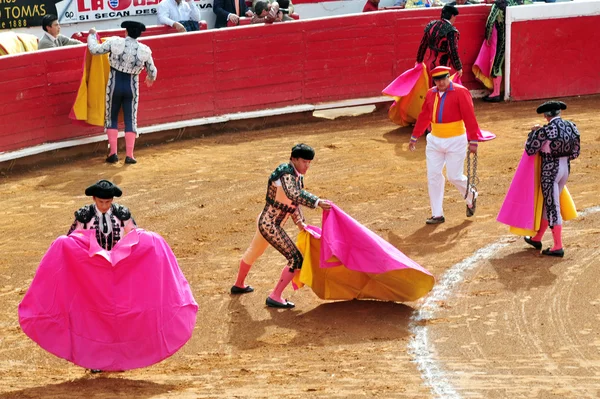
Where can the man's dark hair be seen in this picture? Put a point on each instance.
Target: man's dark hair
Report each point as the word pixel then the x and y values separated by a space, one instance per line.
pixel 260 6
pixel 47 20
pixel 449 11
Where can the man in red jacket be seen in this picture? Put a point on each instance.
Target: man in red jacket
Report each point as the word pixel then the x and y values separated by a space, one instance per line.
pixel 448 108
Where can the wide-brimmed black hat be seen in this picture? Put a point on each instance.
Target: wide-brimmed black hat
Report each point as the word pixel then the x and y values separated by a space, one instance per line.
pixel 103 189
pixel 303 151
pixel 550 106
pixel 133 25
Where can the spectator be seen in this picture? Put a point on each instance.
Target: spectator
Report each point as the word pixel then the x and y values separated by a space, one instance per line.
pixel 283 6
pixel 230 11
pixel 181 15
pixel 265 12
pixel 52 37
pixel 400 3
pixel 441 38
pixel 422 3
pixel 459 3
pixel 371 5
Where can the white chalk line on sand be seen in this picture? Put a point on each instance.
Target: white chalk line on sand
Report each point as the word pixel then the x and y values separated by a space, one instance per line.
pixel 419 347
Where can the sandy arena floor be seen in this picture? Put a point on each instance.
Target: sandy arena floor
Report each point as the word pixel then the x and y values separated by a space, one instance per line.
pixel 505 323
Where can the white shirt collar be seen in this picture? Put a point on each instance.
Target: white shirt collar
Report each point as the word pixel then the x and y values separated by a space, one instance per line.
pixel 52 38
pixel 556 117
pixel 109 212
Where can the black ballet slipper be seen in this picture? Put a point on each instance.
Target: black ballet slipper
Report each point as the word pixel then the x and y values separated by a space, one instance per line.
pixel 274 304
pixel 112 158
pixel 235 290
pixel 471 210
pixel 536 244
pixel 559 253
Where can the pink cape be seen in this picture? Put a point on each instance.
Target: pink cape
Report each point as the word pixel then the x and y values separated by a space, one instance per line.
pixel 518 207
pixel 358 248
pixel 348 261
pixel 404 83
pixel 482 68
pixel 110 310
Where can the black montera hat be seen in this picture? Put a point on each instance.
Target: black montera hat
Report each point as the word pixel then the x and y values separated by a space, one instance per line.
pixel 303 151
pixel 550 106
pixel 133 25
pixel 450 10
pixel 103 189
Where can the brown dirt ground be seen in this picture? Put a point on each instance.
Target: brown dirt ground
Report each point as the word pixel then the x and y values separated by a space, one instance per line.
pixel 520 326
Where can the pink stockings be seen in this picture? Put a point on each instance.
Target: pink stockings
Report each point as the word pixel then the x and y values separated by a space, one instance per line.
pixel 129 143
pixel 112 134
pixel 284 280
pixel 497 83
pixel 556 234
pixel 242 274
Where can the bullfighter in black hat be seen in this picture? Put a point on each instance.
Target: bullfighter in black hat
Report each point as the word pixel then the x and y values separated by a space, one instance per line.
pixel 441 38
pixel 127 59
pixel 558 143
pixel 111 221
pixel 285 195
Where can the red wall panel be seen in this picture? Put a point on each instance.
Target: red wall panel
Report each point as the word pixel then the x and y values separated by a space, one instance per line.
pixel 224 71
pixel 562 43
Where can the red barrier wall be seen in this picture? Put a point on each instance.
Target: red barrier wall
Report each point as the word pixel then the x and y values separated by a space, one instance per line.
pixel 223 71
pixel 554 58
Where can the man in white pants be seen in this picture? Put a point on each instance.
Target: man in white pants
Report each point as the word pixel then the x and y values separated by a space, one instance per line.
pixel 448 108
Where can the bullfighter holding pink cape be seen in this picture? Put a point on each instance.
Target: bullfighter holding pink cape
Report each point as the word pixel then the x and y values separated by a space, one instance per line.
pixel 109 296
pixel 538 197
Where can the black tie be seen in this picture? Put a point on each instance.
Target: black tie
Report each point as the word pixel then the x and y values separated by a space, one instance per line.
pixel 104 224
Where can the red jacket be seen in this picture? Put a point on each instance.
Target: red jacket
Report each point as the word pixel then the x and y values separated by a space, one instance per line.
pixel 456 104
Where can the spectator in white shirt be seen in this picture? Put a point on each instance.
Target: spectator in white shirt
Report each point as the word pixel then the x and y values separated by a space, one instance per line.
pixel 181 15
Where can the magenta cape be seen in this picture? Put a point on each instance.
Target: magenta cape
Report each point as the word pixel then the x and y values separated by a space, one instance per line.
pixel 347 260
pixel 523 205
pixel 408 90
pixel 118 310
pixel 482 68
pixel 518 207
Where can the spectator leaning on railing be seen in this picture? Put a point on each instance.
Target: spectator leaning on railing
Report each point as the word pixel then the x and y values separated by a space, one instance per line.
pixel 265 12
pixel 181 15
pixel 285 6
pixel 52 37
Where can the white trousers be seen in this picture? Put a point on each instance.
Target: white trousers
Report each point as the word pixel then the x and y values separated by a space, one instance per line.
pixel 450 152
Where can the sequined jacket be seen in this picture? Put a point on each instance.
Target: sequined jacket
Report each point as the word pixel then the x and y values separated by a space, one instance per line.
pixel 126 54
pixel 291 194
pixel 86 218
pixel 559 138
pixel 441 38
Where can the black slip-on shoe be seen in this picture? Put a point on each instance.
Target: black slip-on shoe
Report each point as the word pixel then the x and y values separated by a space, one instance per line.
pixel 272 303
pixel 130 160
pixel 235 290
pixel 559 253
pixel 495 99
pixel 112 158
pixel 536 244
pixel 435 220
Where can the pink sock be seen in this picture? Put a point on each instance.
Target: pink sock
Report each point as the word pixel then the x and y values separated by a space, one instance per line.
pixel 112 140
pixel 541 231
pixel 284 280
pixel 242 273
pixel 497 80
pixel 557 236
pixel 129 143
